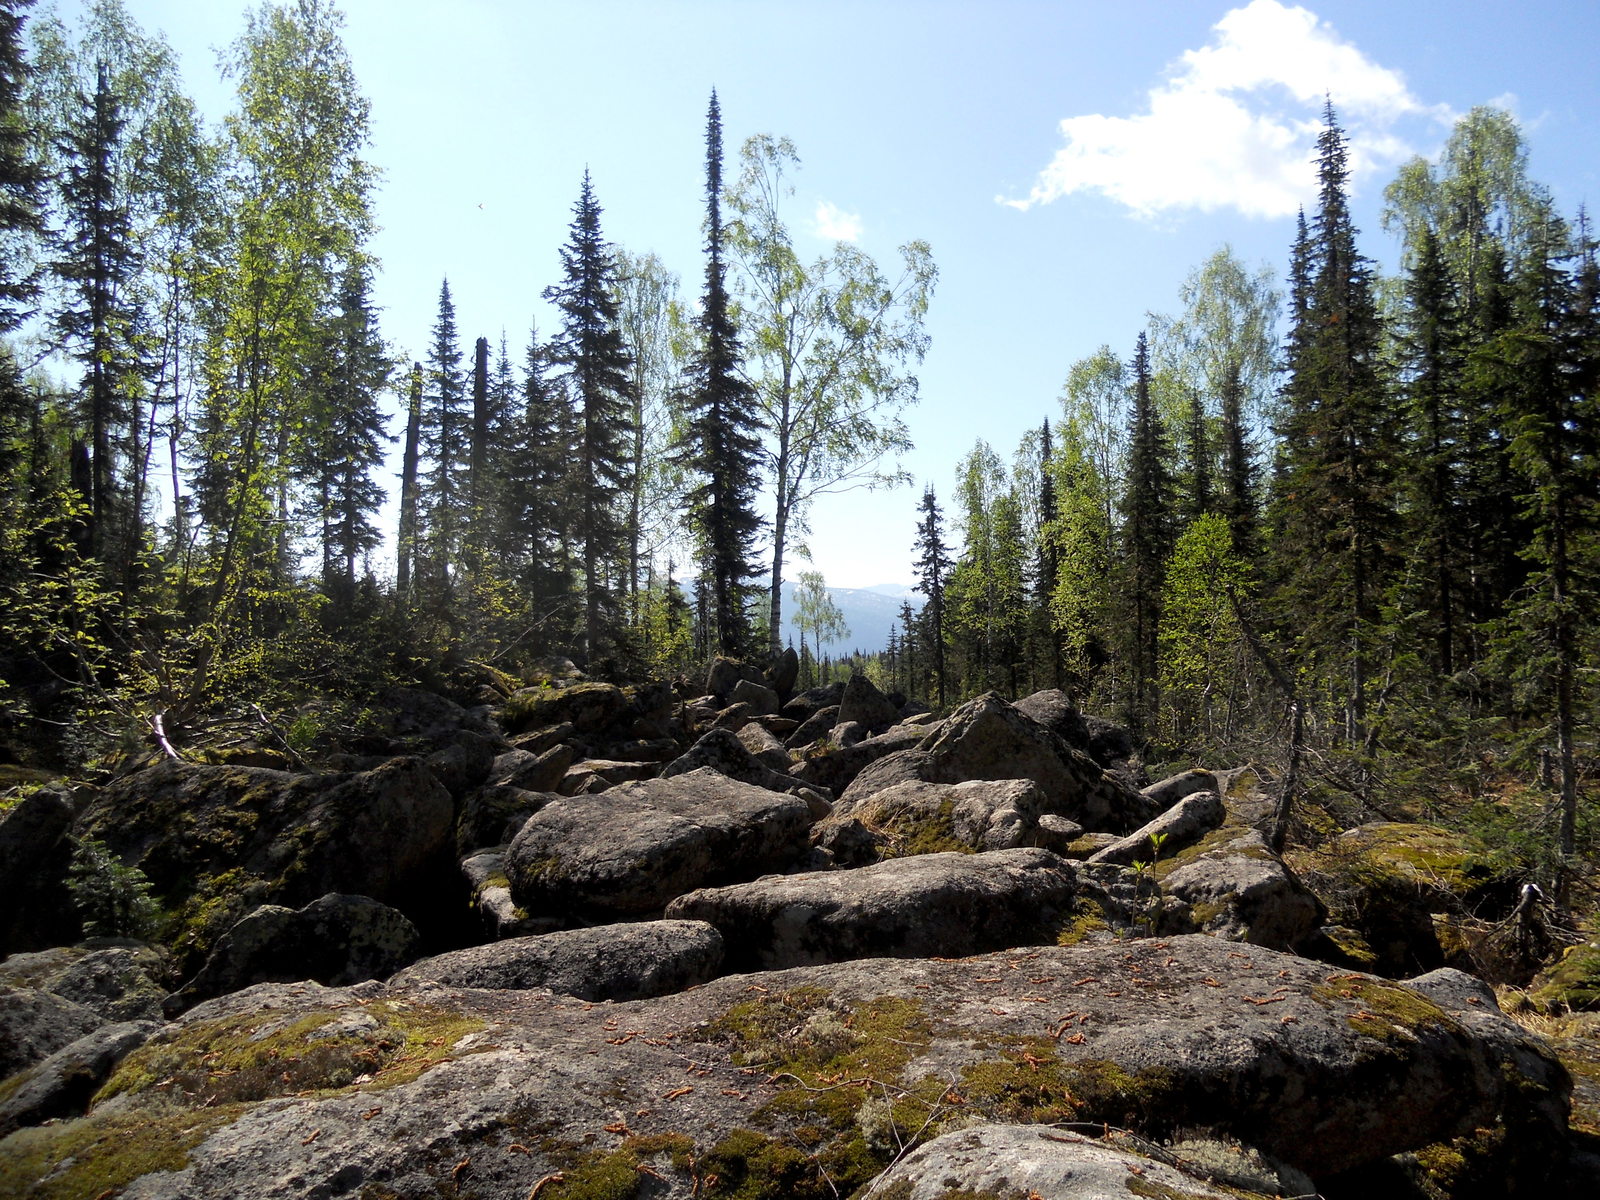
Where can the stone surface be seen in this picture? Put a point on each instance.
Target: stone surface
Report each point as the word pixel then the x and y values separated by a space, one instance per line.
pixel 764 748
pixel 34 1024
pixel 721 751
pixel 530 771
pixel 813 728
pixel 334 940
pixel 407 1090
pixel 631 850
pixel 490 892
pixel 633 961
pixel 864 704
pixel 1230 885
pixel 1189 819
pixel 35 908
pixel 925 818
pixel 837 769
pixel 587 707
pixel 725 674
pixel 932 904
pixel 492 815
pixel 116 978
pixel 808 703
pixel 763 701
pixel 988 738
pixel 783 672
pixel 63 1084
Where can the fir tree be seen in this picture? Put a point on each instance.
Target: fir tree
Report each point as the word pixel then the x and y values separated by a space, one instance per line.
pixel 21 177
pixel 445 444
pixel 1238 466
pixel 408 534
pixel 1146 541
pixel 720 442
pixel 590 348
pixel 933 564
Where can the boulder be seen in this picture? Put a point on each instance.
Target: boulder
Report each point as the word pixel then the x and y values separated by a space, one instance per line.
pixel 216 841
pixel 608 962
pixel 63 1084
pixel 1169 791
pixel 299 1091
pixel 762 700
pixel 1055 832
pixel 631 850
pixel 587 707
pixel 1179 827
pixel 764 747
pixel 116 978
pixel 988 738
pixel 864 704
pixel 735 717
pixel 932 904
pixel 808 703
pixel 1052 709
pixel 597 774
pixel 532 771
pixel 1036 1160
pixel 489 891
pixel 784 672
pixel 35 908
pixel 492 815
pixel 926 818
pixel 34 1024
pixel 335 940
pixel 813 728
pixel 464 763
pixel 837 769
pixel 722 751
pixel 725 674
pixel 537 741
pixel 1230 885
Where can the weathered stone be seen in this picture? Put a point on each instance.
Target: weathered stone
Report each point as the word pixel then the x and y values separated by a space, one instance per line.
pixel 725 674
pixel 608 962
pixel 735 717
pixel 224 839
pixel 35 1024
pixel 764 748
pixel 63 1084
pixel 644 750
pixel 117 978
pixel 537 741
pixel 1179 827
pixel 492 815
pixel 1230 885
pixel 1169 791
pixel 784 672
pixel 926 818
pixel 633 849
pixel 847 734
pixel 837 769
pixel 863 703
pixel 401 1086
pixel 721 750
pixel 988 738
pixel 932 904
pixel 35 908
pixel 1056 833
pixel 808 703
pixel 335 940
pixel 585 706
pixel 814 728
pixel 762 700
pixel 1056 712
pixel 594 775
pixel 464 763
pixel 1035 1160
pixel 846 842
pixel 532 772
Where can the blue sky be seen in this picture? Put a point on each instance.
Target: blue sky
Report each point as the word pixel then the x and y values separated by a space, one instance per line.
pixel 1069 162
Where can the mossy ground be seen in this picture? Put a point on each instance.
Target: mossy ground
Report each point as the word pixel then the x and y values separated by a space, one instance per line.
pixel 1572 984
pixel 1384 1011
pixel 922 833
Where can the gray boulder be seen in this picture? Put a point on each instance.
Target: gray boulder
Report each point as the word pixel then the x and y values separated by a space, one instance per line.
pixel 1169 791
pixel 725 674
pixel 492 815
pixel 926 818
pixel 490 894
pixel 34 1024
pixel 930 905
pixel 1231 886
pixel 464 763
pixel 1179 827
pixel 754 1078
pixel 864 704
pixel 764 747
pixel 784 671
pixel 63 1084
pixel 1056 712
pixel 116 978
pixel 335 940
pixel 763 701
pixel 631 850
pixel 594 775
pixel 587 707
pixel 988 738
pixel 721 751
pixel 530 771
pixel 837 769
pixel 35 909
pixel 631 961
pixel 807 704
pixel 813 728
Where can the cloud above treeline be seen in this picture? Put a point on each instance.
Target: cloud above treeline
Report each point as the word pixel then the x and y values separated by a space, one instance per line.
pixel 833 224
pixel 1234 124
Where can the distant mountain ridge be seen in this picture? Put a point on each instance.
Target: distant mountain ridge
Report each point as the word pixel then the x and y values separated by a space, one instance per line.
pixel 870 612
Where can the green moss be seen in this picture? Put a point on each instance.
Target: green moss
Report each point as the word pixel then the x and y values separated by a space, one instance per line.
pixel 243 1058
pixel 102 1153
pixel 1030 1084
pixel 617 1174
pixel 1573 984
pixel 1384 1010
pixel 929 833
pixel 1081 926
pixel 1228 838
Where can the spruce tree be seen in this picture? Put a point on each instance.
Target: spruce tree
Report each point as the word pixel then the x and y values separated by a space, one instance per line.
pixel 1238 466
pixel 933 564
pixel 21 177
pixel 1145 542
pixel 590 348
pixel 536 511
pixel 720 444
pixel 445 444
pixel 408 535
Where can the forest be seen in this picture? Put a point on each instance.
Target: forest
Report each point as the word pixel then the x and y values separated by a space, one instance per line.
pixel 1346 527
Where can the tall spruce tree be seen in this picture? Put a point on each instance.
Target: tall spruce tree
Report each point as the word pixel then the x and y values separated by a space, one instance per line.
pixel 933 565
pixel 408 535
pixel 720 442
pixel 1333 504
pixel 21 176
pixel 1145 542
pixel 446 437
pixel 590 348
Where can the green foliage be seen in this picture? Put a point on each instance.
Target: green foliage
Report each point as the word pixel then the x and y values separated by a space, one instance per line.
pixel 1201 647
pixel 113 899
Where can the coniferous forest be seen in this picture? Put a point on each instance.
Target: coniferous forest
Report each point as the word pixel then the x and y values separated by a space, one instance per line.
pixel 1337 523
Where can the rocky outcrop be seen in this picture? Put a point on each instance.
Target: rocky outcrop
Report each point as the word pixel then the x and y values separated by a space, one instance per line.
pixel 34 1024
pixel 932 904
pixel 115 978
pixel 608 962
pixel 1231 886
pixel 1179 827
pixel 634 848
pixel 988 738
pixel 301 1091
pixel 925 818
pixel 335 940
pixel 35 909
pixel 63 1084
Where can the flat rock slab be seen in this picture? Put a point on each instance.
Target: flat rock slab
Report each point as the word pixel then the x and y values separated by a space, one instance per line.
pixel 632 961
pixel 632 849
pixel 930 904
pixel 775 1082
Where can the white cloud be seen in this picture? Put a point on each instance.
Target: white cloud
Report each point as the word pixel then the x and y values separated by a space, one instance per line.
pixel 833 224
pixel 1235 123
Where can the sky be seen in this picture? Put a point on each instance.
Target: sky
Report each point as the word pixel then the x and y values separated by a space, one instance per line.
pixel 1070 163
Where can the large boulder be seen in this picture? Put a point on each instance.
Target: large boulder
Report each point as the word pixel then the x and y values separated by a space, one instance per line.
pixel 1179 827
pixel 932 904
pixel 217 841
pixel 988 738
pixel 926 818
pixel 630 850
pixel 837 769
pixel 805 705
pixel 35 908
pixel 492 815
pixel 864 704
pixel 587 707
pixel 722 751
pixel 632 961
pixel 725 674
pixel 335 940
pixel 805 1083
pixel 116 978
pixel 1230 885
pixel 63 1084
pixel 34 1024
